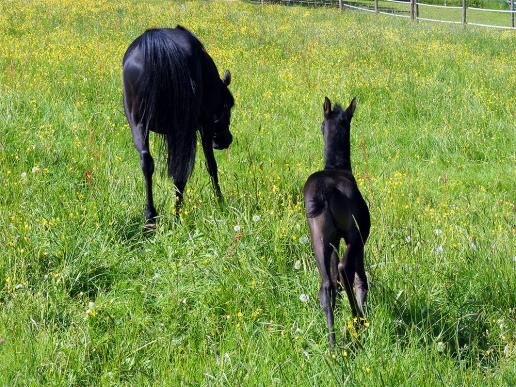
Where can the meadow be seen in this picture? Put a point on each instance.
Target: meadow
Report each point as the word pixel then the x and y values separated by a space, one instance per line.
pixel 228 295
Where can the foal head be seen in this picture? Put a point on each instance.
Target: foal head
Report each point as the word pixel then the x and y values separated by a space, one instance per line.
pixel 222 136
pixel 335 129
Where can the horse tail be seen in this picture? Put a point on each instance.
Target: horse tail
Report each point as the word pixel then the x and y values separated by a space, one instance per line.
pixel 168 107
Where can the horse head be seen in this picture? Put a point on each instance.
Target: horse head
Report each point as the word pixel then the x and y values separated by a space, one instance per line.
pixel 222 137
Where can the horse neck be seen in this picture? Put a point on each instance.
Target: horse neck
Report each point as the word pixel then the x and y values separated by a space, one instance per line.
pixel 337 152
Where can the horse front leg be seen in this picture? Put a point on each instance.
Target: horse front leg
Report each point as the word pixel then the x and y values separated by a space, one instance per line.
pixel 141 142
pixel 211 163
pixel 147 164
pixel 180 187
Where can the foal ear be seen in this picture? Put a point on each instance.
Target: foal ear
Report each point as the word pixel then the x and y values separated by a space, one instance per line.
pixel 327 106
pixel 226 78
pixel 351 108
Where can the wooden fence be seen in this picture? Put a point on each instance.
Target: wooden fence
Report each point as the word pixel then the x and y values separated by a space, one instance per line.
pixel 410 9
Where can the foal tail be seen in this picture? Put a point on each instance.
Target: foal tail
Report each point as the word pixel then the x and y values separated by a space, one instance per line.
pixel 167 95
pixel 317 204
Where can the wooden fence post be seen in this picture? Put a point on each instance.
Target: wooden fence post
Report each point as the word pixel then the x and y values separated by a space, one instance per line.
pixel 340 5
pixel 412 9
pixel 512 13
pixel 464 6
pixel 375 6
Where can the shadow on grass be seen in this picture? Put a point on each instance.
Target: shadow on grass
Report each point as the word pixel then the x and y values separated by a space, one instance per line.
pixel 458 332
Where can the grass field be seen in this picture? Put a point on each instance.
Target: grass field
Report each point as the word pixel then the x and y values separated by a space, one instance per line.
pixel 87 298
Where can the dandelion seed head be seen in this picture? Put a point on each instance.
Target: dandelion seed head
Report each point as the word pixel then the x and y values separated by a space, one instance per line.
pixel 256 218
pixel 441 346
pixel 303 239
pixel 237 228
pixel 304 298
pixel 438 249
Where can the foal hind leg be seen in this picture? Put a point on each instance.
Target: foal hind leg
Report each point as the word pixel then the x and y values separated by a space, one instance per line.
pixel 141 142
pixel 347 268
pixel 324 243
pixel 361 284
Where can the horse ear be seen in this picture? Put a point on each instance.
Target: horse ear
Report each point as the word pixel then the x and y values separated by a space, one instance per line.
pixel 226 79
pixel 351 108
pixel 327 106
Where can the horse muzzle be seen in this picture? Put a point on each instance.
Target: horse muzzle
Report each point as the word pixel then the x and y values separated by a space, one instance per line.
pixel 222 141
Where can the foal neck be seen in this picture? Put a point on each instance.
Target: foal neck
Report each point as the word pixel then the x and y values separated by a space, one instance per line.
pixel 337 151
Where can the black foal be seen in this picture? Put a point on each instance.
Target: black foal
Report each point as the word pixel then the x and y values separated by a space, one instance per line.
pixel 335 209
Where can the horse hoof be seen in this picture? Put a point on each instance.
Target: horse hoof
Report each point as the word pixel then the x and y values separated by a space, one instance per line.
pixel 150 225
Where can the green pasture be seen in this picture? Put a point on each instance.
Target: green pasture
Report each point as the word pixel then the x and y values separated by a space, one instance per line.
pixel 88 298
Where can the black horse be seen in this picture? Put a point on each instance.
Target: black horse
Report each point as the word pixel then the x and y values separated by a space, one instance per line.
pixel 172 87
pixel 335 209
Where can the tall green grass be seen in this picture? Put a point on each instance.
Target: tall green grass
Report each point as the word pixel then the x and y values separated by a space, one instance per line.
pixel 86 297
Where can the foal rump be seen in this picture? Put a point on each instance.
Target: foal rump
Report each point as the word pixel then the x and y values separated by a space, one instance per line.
pixel 166 98
pixel 316 204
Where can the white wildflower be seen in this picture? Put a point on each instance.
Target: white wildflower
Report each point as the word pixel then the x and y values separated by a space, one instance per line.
pixel 408 239
pixel 237 228
pixel 441 346
pixel 297 265
pixel 35 169
pixel 303 239
pixel 438 249
pixel 23 175
pixel 256 218
pixel 304 298
pixel 438 231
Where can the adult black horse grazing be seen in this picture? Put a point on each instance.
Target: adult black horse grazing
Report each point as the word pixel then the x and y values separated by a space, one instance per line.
pixel 335 209
pixel 172 87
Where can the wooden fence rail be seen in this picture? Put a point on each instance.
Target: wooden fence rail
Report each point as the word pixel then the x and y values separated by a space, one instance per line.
pixel 413 10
